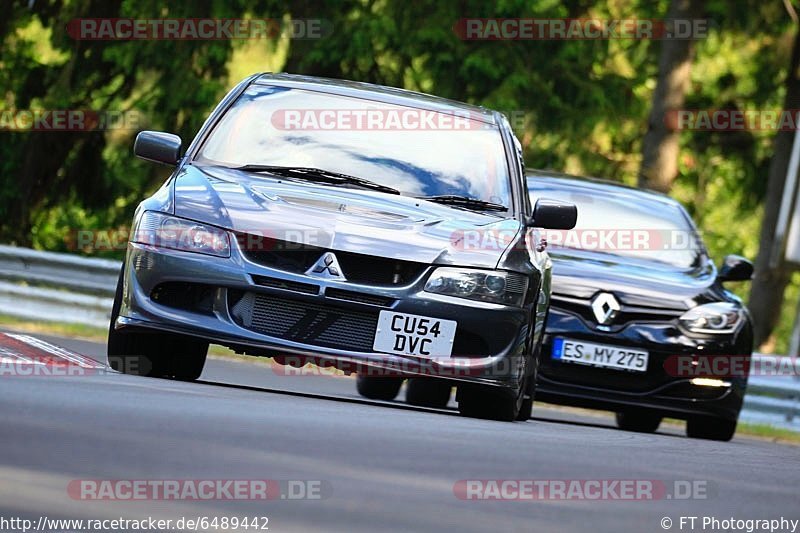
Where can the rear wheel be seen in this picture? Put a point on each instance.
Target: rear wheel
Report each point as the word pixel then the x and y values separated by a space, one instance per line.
pixel 639 421
pixel 378 388
pixel 428 392
pixel 153 354
pixel 707 427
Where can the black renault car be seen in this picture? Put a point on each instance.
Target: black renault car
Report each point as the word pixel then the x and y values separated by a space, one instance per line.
pixel 314 219
pixel 640 319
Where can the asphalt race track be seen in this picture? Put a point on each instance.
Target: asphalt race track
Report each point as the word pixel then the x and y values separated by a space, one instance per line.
pixel 382 465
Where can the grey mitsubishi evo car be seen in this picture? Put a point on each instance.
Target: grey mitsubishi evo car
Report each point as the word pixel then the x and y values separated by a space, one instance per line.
pixel 346 224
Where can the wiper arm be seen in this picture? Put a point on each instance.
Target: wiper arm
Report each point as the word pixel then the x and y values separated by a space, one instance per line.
pixel 464 201
pixel 320 175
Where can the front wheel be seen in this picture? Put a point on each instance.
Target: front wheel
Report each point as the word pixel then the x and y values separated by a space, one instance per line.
pixel 710 428
pixel 492 403
pixel 157 355
pixel 153 354
pixel 526 408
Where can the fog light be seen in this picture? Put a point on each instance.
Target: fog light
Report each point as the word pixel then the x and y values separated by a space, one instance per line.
pixel 708 382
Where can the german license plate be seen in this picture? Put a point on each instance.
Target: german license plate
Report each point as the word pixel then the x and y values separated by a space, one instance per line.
pixel 604 355
pixel 401 333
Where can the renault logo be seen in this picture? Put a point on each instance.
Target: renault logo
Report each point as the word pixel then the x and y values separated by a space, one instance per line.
pixel 326 267
pixel 605 308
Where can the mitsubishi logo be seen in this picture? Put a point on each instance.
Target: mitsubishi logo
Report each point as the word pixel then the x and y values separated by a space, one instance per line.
pixel 326 267
pixel 605 308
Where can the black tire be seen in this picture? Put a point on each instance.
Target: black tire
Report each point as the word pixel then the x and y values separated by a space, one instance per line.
pixel 428 392
pixel 498 403
pixel 526 408
pixel 639 421
pixel 491 403
pixel 153 354
pixel 378 388
pixel 710 428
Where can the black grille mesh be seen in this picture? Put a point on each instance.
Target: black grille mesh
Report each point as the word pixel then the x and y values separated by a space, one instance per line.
pixel 308 323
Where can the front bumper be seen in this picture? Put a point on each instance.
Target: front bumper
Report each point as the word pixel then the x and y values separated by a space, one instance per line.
pixel 658 389
pixel 489 347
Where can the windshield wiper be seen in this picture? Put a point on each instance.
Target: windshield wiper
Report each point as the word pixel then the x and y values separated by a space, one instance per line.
pixel 319 175
pixel 464 201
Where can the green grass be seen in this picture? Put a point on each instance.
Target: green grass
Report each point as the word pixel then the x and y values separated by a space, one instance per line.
pixel 768 432
pixel 78 331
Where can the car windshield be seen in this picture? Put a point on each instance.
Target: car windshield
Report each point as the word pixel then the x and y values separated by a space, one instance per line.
pixel 624 223
pixel 417 152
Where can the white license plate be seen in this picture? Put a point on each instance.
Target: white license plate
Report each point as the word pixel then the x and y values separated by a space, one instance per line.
pixel 588 353
pixel 400 333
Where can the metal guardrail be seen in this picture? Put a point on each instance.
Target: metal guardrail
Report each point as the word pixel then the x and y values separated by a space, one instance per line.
pixel 772 400
pixel 58 287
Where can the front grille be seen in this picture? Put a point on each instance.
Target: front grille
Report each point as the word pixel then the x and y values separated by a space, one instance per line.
pixel 357 268
pixel 294 286
pixel 359 297
pixel 626 315
pixel 327 326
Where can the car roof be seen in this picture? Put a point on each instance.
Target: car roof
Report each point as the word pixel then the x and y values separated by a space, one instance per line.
pixel 594 185
pixel 379 93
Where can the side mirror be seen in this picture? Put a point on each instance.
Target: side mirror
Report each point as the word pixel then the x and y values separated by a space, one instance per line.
pixel 552 214
pixel 735 268
pixel 158 146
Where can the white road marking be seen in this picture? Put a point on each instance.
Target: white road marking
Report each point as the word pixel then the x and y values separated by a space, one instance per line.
pixel 80 360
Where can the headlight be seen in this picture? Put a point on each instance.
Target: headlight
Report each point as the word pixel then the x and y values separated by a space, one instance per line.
pixel 719 317
pixel 485 285
pixel 166 231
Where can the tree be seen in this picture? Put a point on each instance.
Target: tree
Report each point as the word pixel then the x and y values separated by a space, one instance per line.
pixel 81 170
pixel 769 283
pixel 660 148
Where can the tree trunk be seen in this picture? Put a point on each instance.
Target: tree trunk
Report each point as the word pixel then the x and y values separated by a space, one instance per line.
pixel 660 146
pixel 766 292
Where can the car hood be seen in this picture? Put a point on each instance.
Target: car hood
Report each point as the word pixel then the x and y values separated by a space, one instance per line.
pixel 338 218
pixel 581 274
